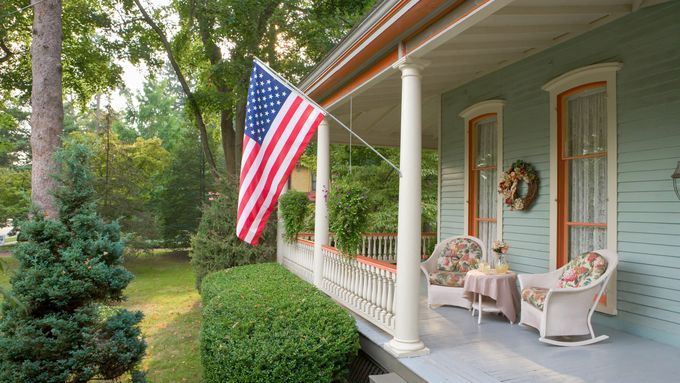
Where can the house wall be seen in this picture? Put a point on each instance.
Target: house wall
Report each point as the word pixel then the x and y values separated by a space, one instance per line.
pixel 301 179
pixel 647 42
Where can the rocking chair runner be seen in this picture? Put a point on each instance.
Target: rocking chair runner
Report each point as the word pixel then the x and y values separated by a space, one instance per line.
pixel 446 268
pixel 562 302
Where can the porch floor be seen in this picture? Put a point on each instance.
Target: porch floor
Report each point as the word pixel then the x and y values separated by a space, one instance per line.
pixel 495 351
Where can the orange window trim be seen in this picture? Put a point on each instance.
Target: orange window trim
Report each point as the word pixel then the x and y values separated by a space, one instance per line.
pixel 473 171
pixel 563 223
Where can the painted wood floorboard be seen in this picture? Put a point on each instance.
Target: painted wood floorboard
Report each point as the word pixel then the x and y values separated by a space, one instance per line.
pixel 495 351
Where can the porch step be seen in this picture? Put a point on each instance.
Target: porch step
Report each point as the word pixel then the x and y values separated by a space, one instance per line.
pixel 386 378
pixel 398 373
pixel 363 367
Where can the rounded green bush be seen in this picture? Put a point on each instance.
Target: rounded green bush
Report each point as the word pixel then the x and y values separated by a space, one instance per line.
pixel 261 323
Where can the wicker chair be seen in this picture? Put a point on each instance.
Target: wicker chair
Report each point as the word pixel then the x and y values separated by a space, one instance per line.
pixel 561 303
pixel 445 270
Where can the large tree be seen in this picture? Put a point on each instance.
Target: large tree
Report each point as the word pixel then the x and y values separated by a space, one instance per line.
pixel 217 40
pixel 47 117
pixel 73 49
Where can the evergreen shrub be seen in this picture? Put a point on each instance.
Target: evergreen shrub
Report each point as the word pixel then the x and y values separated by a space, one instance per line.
pixel 58 326
pixel 215 245
pixel 294 210
pixel 261 323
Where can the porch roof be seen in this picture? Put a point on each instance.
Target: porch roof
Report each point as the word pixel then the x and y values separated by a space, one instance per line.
pixel 495 351
pixel 462 40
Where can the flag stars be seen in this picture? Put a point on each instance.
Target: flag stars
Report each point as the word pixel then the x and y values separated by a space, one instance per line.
pixel 264 103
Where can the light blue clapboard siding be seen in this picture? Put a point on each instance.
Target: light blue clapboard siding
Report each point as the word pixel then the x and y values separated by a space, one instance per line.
pixel 648 105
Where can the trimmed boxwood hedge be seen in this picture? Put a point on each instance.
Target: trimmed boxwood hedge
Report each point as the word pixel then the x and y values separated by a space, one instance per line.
pixel 261 323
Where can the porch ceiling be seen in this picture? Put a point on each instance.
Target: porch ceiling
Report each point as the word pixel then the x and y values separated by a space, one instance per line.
pixel 465 50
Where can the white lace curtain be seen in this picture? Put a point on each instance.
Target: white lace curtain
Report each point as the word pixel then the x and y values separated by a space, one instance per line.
pixel 587 135
pixel 485 149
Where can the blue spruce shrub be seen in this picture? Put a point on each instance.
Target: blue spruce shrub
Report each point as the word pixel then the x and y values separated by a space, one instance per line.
pixel 58 327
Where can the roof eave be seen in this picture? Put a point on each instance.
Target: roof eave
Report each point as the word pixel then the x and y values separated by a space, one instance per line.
pixel 377 12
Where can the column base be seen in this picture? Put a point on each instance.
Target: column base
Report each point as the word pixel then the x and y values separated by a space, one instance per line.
pixel 401 349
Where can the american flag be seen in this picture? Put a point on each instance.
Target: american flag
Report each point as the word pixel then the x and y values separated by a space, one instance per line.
pixel 280 121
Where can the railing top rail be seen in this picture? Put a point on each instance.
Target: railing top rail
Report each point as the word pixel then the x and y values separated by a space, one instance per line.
pixel 424 234
pixel 330 249
pixel 378 264
pixel 305 242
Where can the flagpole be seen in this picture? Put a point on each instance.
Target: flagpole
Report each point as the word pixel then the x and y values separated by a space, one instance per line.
pixel 330 115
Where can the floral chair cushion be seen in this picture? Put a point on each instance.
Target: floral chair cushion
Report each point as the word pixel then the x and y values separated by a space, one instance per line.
pixel 460 254
pixel 583 270
pixel 535 296
pixel 447 278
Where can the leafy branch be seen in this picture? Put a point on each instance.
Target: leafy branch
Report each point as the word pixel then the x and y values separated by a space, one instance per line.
pixel 191 98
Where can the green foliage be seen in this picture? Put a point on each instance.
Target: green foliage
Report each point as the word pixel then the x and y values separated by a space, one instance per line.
pixel 15 194
pixel 69 268
pixel 383 182
pixel 14 132
pixel 215 245
pixel 294 210
pixel 182 191
pixel 159 113
pixel 126 178
pixel 90 46
pixel 348 215
pixel 263 324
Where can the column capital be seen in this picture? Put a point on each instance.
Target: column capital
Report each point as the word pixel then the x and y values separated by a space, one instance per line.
pixel 407 63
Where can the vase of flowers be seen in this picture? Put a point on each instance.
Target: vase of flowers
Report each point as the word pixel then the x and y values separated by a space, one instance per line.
pixel 500 250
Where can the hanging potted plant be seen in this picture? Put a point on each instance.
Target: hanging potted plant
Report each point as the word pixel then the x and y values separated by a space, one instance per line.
pixel 348 215
pixel 294 209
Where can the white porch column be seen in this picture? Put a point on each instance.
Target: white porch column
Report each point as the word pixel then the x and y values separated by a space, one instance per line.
pixel 406 341
pixel 321 204
pixel 281 244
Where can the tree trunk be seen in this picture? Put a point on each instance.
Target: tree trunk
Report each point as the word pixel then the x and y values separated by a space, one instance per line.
pixel 47 116
pixel 214 54
pixel 240 126
pixel 227 131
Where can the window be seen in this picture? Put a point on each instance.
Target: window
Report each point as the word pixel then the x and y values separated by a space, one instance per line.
pixel 483 210
pixel 583 188
pixel 582 171
pixel 482 179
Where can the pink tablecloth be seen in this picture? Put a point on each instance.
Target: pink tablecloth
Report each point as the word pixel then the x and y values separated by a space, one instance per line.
pixel 500 287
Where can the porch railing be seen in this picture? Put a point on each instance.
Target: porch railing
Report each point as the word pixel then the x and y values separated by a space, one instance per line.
pixel 364 285
pixel 298 257
pixel 382 246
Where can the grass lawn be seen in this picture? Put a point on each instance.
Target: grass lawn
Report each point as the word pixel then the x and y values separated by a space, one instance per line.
pixel 164 290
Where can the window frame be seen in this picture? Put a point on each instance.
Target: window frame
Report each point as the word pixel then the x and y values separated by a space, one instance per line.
pixel 558 88
pixel 471 115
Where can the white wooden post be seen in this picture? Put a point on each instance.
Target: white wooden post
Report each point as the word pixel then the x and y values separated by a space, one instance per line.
pixel 406 341
pixel 321 203
pixel 281 245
